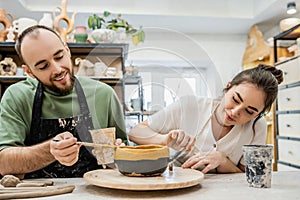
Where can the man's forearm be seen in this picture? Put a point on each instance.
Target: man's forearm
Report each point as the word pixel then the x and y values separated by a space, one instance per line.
pixel 22 160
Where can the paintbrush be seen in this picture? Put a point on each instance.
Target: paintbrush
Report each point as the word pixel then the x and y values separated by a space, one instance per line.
pixel 90 144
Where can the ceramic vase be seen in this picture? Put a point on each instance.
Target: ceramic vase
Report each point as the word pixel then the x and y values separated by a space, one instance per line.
pixel 46 20
pixel 5 22
pixel 121 36
pixel 80 34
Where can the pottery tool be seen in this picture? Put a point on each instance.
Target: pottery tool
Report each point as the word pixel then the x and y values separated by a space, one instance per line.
pixel 32 192
pixel 171 161
pixel 90 144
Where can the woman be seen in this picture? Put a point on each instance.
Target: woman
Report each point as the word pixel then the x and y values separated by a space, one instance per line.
pixel 213 131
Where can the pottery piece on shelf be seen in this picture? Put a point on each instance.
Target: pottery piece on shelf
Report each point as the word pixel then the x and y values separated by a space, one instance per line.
pixel 103 35
pixel 121 36
pixel 8 67
pixel 85 67
pixel 80 34
pixel 46 20
pixel 23 23
pixel 111 71
pixel 6 22
pixel 10 35
pixel 63 16
pixel 100 68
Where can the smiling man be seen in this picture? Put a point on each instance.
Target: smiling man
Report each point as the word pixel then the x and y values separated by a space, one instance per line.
pixel 52 103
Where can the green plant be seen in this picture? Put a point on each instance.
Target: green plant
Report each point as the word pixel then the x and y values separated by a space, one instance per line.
pixel 113 22
pixel 138 35
pixel 95 21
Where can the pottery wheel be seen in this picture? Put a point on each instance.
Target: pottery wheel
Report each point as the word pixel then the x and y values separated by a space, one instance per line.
pixel 112 178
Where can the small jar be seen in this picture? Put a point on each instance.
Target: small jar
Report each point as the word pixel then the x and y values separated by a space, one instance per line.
pixel 80 34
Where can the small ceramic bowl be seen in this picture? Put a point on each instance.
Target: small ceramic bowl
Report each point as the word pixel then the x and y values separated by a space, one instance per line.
pixel 142 160
pixel 103 35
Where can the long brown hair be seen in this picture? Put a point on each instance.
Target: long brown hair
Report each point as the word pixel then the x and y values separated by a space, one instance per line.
pixel 266 78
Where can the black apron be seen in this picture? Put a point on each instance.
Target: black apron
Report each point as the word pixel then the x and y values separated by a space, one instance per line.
pixel 45 129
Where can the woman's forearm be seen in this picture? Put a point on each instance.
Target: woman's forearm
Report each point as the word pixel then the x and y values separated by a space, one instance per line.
pixel 22 160
pixel 228 167
pixel 143 134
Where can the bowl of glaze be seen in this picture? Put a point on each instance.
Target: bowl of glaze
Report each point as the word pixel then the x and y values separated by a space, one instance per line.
pixel 142 160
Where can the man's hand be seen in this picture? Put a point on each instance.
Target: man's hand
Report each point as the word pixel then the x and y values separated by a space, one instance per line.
pixel 64 148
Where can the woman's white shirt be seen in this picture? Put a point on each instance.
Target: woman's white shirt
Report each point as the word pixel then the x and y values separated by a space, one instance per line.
pixel 190 113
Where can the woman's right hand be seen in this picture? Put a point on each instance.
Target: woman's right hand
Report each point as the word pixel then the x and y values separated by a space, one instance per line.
pixel 178 139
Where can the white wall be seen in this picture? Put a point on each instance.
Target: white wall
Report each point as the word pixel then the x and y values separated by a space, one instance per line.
pixel 220 55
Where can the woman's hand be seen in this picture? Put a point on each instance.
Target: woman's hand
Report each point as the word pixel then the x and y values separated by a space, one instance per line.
pixel 178 139
pixel 210 161
pixel 119 142
pixel 64 148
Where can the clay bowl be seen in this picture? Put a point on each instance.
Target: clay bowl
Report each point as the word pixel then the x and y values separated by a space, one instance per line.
pixel 142 160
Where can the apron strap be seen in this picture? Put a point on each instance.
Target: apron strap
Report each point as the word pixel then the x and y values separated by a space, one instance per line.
pixel 84 109
pixel 36 115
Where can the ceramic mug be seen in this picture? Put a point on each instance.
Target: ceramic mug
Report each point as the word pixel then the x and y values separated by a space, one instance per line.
pixel 22 23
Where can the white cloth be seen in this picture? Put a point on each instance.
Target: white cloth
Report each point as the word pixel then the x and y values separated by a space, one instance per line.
pixel 190 113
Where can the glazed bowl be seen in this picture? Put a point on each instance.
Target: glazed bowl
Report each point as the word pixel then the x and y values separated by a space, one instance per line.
pixel 142 160
pixel 103 35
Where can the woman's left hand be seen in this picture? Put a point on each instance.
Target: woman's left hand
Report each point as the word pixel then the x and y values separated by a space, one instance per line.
pixel 119 142
pixel 211 161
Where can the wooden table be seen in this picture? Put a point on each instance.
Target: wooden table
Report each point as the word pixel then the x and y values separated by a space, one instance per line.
pixel 285 185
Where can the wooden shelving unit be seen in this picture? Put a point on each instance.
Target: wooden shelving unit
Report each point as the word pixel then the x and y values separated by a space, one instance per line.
pixel 113 55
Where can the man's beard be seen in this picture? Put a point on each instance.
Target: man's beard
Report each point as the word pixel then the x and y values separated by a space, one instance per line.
pixel 60 91
pixel 64 91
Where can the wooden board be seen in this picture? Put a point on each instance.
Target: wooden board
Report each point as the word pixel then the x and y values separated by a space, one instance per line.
pixel 112 178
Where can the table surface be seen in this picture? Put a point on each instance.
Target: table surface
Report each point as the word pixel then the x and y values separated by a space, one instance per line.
pixel 285 185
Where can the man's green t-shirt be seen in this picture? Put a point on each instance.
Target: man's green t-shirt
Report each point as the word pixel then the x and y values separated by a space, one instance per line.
pixel 17 101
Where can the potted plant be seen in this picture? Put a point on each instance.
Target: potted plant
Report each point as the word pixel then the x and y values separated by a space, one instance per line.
pixel 99 33
pixel 117 24
pixel 95 21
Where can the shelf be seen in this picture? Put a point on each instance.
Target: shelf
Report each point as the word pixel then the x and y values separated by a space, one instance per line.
pixel 287 60
pixel 290 34
pixel 82 48
pixel 10 79
pixel 132 80
pixel 105 49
